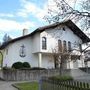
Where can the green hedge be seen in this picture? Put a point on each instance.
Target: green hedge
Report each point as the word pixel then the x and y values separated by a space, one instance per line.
pixel 17 65
pixel 37 68
pixel 61 78
pixel 26 65
pixel 20 65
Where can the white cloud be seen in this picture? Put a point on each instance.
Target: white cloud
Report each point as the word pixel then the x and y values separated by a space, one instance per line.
pixel 28 8
pixel 31 8
pixel 6 15
pixel 9 25
pixel 22 14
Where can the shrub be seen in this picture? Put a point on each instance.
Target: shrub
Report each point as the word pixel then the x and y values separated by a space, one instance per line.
pixel 20 65
pixel 6 68
pixel 26 65
pixel 37 68
pixel 61 78
pixel 17 65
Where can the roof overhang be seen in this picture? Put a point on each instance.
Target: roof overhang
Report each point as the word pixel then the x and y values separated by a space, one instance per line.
pixel 68 23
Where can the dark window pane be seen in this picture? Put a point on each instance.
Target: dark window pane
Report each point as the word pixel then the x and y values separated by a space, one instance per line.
pixel 59 46
pixel 64 46
pixel 69 46
pixel 80 47
pixel 43 42
pixel 63 28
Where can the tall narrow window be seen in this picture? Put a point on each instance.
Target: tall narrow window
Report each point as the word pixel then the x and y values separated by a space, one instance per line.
pixel 64 46
pixel 44 46
pixel 80 47
pixel 69 46
pixel 59 46
pixel 6 51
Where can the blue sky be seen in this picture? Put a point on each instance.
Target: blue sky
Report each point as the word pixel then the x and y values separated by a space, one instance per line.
pixel 15 15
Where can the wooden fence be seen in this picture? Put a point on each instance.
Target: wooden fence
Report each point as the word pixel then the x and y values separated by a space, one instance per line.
pixel 27 75
pixel 47 84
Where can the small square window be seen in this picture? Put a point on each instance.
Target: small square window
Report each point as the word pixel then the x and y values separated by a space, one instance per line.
pixel 63 28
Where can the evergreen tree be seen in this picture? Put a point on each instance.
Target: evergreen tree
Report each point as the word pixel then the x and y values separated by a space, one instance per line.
pixel 6 38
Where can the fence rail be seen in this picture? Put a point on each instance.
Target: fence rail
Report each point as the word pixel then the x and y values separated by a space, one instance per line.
pixel 47 84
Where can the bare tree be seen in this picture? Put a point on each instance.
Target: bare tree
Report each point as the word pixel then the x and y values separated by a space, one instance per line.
pixel 62 56
pixel 63 11
pixel 86 5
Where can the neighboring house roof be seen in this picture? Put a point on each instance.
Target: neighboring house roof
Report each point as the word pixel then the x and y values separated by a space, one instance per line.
pixel 68 23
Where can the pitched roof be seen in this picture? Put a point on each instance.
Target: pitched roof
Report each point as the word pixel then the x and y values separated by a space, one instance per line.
pixel 68 23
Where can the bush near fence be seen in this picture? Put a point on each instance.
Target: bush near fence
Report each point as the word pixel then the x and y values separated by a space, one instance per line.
pixel 60 78
pixel 49 84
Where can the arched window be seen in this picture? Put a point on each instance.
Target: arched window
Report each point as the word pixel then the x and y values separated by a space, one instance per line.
pixel 59 46
pixel 69 46
pixel 44 42
pixel 64 46
pixel 80 47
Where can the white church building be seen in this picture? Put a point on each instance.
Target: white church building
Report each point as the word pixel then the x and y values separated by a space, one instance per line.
pixel 37 47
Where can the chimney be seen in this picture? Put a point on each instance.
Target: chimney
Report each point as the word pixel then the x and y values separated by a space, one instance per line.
pixel 25 31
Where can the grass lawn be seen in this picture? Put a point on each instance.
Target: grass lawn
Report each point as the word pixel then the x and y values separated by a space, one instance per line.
pixel 28 86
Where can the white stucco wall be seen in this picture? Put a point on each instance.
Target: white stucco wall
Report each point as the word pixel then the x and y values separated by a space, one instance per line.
pixel 55 34
pixel 36 43
pixel 47 61
pixel 13 53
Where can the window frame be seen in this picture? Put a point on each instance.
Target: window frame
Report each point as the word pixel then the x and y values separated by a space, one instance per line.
pixel 59 45
pixel 44 43
pixel 64 46
pixel 69 46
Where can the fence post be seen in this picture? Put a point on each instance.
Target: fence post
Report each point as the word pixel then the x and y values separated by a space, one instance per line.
pixel 87 86
pixel 40 84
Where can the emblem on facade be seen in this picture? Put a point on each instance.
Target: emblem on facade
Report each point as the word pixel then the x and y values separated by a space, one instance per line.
pixel 22 52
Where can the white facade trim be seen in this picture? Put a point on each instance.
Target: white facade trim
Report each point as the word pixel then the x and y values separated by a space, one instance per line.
pixel 40 60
